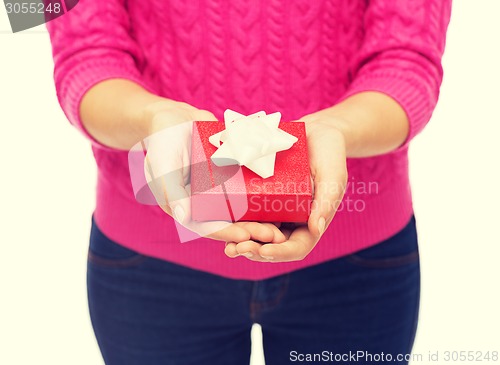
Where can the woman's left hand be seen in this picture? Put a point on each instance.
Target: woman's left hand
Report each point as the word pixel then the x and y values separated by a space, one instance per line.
pixel 327 159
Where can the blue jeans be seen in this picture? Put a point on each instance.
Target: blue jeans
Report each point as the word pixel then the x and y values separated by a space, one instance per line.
pixel 150 312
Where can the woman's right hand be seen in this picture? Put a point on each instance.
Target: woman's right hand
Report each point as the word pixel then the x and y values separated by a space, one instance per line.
pixel 167 169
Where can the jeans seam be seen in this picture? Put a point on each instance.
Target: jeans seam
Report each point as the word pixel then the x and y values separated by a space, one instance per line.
pixel 253 303
pixel 384 263
pixel 415 318
pixel 120 263
pixel 256 306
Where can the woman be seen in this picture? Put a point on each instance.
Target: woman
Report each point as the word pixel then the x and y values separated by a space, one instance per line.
pixel 363 75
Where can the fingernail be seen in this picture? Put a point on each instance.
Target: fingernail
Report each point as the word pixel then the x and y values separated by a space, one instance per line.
pixel 179 214
pixel 247 254
pixel 267 257
pixel 321 225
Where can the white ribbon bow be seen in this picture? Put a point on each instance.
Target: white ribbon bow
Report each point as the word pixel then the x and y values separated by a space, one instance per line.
pixel 251 141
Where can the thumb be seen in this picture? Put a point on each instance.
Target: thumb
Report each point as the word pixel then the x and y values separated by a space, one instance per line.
pixel 329 184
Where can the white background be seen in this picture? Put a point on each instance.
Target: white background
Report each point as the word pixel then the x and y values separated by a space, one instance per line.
pixel 47 196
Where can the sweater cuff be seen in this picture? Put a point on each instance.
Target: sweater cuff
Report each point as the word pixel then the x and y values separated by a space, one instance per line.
pixel 83 77
pixel 412 96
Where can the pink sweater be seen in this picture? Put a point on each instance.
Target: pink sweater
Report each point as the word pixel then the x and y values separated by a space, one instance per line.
pixel 296 57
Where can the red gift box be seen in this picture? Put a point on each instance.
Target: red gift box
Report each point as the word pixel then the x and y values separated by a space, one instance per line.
pixel 234 193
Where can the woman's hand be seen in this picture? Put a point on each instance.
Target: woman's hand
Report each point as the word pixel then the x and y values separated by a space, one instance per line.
pixel 167 168
pixel 327 156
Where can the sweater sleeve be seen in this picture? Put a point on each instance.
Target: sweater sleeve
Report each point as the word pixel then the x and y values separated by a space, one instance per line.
pixel 401 55
pixel 92 43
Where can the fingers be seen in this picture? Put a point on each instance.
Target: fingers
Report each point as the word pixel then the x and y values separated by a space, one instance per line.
pixel 221 231
pixel 259 233
pixel 204 115
pixel 155 186
pixel 329 181
pixel 327 196
pixel 297 247
pixel 177 196
pixel 263 232
pixel 250 249
pixel 167 177
pixel 230 250
pixel 170 192
pixel 167 168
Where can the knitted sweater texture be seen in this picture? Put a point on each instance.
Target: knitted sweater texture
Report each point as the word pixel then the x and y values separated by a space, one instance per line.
pixel 296 57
